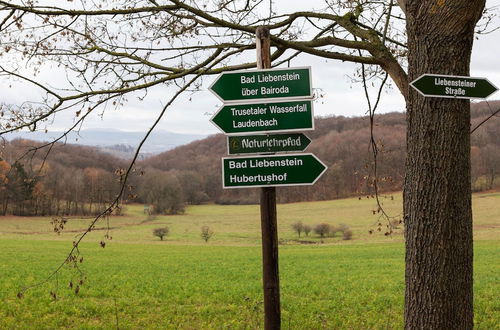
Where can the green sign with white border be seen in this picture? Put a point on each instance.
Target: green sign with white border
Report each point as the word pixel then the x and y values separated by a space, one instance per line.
pixel 268 117
pixel 272 170
pixel 460 87
pixel 278 83
pixel 268 143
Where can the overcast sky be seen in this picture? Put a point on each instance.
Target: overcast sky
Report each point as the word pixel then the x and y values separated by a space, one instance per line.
pixel 341 96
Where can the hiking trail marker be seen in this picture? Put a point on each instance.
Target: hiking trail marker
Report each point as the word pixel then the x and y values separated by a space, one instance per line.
pixel 258 144
pixel 263 101
pixel 265 117
pixel 460 87
pixel 267 84
pixel 272 170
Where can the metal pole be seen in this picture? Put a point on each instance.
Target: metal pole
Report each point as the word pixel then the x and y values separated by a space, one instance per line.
pixel 268 216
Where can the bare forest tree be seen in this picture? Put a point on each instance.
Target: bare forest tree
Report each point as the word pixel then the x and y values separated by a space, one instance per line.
pixel 162 191
pixel 298 227
pixel 118 49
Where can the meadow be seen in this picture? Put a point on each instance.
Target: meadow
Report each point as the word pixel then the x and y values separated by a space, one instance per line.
pixel 138 281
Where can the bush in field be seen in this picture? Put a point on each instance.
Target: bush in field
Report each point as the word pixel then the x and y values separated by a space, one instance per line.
pixel 337 229
pixel 307 229
pixel 322 229
pixel 298 227
pixel 347 235
pixel 345 230
pixel 206 233
pixel 333 231
pixel 161 232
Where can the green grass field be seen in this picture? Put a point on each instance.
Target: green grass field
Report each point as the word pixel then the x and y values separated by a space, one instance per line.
pixel 138 281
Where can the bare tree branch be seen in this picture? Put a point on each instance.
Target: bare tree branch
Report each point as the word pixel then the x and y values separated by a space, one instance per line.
pixel 493 114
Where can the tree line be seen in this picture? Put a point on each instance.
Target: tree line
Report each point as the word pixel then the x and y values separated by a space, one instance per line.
pixel 77 180
pixel 71 180
pixel 342 143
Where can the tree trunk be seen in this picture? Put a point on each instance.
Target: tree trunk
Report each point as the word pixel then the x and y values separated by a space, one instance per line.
pixel 437 191
pixel 492 179
pixel 5 205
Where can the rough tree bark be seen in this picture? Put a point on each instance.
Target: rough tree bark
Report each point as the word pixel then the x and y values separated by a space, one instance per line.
pixel 437 192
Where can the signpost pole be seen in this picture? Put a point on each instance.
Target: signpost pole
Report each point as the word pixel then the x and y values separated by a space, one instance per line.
pixel 268 216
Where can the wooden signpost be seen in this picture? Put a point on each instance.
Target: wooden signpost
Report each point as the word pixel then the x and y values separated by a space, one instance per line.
pixel 267 101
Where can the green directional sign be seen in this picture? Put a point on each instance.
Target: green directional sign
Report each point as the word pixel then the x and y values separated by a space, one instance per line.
pixel 273 170
pixel 265 117
pixel 254 144
pixel 290 83
pixel 460 87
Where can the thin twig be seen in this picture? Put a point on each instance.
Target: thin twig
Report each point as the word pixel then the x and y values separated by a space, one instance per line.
pixel 493 114
pixel 373 142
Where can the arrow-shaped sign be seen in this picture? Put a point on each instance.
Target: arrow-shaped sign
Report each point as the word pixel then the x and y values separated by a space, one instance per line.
pixel 432 85
pixel 265 117
pixel 255 144
pixel 275 170
pixel 290 83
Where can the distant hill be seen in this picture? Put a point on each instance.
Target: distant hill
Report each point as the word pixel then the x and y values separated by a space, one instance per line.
pixel 114 141
pixel 76 179
pixel 342 144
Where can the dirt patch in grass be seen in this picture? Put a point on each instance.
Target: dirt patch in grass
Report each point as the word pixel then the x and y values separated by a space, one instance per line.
pixel 296 241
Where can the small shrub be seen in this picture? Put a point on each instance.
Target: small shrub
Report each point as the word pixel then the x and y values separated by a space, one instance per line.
pixel 347 235
pixel 307 229
pixel 298 227
pixel 322 229
pixel 206 233
pixel 161 232
pixel 333 231
pixel 345 230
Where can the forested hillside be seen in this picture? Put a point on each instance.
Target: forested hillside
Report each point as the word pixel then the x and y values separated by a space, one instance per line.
pixel 343 144
pixel 68 180
pixel 81 180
